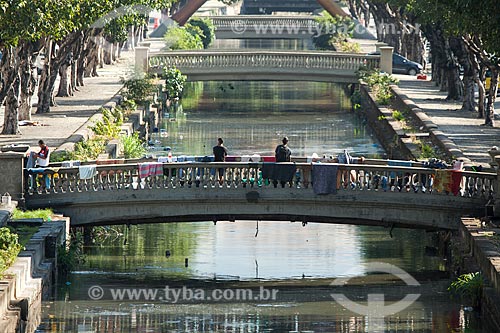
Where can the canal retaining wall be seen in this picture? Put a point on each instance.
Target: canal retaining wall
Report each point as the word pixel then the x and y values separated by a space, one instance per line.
pixel 29 280
pixel 387 129
pixel 483 244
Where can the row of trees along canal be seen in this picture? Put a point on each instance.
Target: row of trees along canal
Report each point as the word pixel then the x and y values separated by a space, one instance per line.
pixel 462 34
pixel 75 40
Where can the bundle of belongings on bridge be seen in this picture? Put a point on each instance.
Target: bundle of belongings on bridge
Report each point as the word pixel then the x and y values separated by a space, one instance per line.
pixel 326 177
pixel 446 179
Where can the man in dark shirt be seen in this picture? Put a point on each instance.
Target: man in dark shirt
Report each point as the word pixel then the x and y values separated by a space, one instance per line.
pixel 220 153
pixel 282 152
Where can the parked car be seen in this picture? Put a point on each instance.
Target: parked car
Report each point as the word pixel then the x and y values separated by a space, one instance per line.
pixel 401 65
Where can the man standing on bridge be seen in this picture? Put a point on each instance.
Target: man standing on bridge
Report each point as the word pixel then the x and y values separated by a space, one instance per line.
pixel 220 153
pixel 282 152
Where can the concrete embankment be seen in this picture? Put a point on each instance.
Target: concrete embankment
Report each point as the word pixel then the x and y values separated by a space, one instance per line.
pixel 29 280
pixel 483 244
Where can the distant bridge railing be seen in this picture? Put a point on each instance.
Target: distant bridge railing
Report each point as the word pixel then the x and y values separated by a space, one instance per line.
pixel 235 22
pixel 249 64
pixel 265 26
pixel 176 192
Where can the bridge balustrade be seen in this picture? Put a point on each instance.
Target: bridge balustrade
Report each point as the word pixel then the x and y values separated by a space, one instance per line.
pixel 204 176
pixel 228 22
pixel 225 59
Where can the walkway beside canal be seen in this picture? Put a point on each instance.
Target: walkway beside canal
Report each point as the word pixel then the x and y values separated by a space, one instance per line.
pixel 461 127
pixel 72 112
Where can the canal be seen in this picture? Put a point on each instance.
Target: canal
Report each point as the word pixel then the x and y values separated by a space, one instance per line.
pixel 132 275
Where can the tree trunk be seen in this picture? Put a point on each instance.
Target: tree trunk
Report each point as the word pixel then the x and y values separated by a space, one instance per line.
pixel 100 56
pixel 108 50
pixel 469 102
pixel 132 38
pixel 482 93
pixel 120 49
pixel 46 91
pixel 28 85
pixel 455 85
pixel 64 84
pixel 489 116
pixel 464 58
pixel 49 74
pixel 73 78
pixel 9 68
pixel 92 62
pixel 11 123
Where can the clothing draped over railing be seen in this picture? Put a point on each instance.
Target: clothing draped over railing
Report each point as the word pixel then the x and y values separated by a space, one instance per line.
pixel 323 178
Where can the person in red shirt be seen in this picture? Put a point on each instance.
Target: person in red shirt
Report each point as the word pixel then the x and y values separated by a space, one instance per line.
pixel 42 157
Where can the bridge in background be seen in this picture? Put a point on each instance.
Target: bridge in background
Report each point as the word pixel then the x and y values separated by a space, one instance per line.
pixel 367 195
pixel 273 6
pixel 210 65
pixel 275 27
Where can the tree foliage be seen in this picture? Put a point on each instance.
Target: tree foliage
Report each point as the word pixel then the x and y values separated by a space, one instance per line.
pixel 334 30
pixel 188 37
pixel 174 83
pixel 207 28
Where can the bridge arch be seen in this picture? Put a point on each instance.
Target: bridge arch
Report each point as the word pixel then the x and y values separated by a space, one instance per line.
pixel 177 192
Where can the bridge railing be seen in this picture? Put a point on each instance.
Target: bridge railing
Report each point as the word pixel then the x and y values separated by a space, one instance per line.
pixel 228 59
pixel 206 176
pixel 259 21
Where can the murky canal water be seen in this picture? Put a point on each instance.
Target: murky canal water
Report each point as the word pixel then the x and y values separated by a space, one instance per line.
pixel 298 261
pixel 253 117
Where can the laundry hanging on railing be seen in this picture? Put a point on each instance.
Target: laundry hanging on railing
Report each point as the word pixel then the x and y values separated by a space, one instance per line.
pixel 87 171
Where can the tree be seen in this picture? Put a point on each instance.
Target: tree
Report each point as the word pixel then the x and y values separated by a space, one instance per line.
pixel 334 29
pixel 207 28
pixel 476 24
pixel 174 83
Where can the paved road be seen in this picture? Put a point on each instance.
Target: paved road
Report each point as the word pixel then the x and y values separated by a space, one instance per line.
pixel 464 128
pixel 73 112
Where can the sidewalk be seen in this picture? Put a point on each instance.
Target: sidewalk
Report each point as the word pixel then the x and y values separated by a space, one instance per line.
pixel 72 112
pixel 463 128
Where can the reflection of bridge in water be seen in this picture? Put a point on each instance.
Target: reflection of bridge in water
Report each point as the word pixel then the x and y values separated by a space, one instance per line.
pixel 410 197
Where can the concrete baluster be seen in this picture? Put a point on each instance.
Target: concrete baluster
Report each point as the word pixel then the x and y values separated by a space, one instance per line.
pixel 141 61
pixel 386 59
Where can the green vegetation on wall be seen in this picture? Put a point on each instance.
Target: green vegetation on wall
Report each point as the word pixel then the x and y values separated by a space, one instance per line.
pixel 379 83
pixel 44 214
pixel 9 248
pixel 174 83
pixel 469 287
pixel 132 146
pixel 140 91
